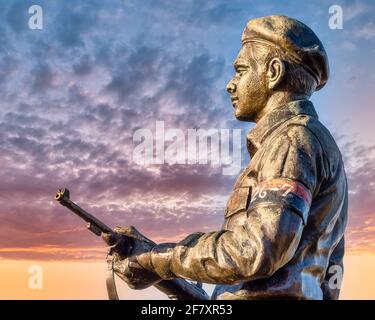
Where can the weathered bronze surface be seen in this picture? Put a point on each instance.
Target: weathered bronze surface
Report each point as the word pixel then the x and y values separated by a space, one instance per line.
pixel 285 219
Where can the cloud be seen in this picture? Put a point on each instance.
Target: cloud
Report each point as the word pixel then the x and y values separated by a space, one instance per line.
pixel 84 66
pixel 366 31
pixel 360 169
pixel 74 21
pixel 73 96
pixel 355 9
pixel 17 16
pixel 43 77
pixel 82 98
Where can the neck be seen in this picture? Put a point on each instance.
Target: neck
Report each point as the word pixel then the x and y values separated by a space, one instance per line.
pixel 276 100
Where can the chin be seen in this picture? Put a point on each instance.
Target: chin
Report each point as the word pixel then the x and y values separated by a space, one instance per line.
pixel 243 117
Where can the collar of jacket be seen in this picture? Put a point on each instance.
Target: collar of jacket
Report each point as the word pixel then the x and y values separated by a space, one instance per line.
pixel 275 118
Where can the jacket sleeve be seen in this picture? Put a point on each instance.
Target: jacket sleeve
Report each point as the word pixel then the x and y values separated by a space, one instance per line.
pixel 331 284
pixel 277 213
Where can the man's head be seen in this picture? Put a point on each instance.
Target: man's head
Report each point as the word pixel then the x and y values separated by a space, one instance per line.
pixel 279 55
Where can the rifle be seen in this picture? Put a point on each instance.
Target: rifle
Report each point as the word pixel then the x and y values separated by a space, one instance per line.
pixel 176 289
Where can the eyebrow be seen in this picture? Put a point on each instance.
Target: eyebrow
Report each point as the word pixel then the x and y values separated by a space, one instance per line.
pixel 239 64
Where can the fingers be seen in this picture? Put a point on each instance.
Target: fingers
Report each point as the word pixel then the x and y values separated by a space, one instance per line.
pixel 126 271
pixel 128 230
pixel 132 232
pixel 135 276
pixel 127 241
pixel 110 238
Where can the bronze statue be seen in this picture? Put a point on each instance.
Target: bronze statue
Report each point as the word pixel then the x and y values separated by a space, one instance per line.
pixel 285 219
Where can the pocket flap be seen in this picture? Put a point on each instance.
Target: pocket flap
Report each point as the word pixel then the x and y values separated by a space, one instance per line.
pixel 238 201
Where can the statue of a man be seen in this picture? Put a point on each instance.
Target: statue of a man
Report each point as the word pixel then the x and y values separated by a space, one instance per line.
pixel 285 219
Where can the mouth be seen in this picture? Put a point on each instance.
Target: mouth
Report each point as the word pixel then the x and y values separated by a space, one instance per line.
pixel 234 101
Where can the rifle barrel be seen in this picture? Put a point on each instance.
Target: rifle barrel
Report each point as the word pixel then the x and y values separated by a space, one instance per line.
pixel 95 225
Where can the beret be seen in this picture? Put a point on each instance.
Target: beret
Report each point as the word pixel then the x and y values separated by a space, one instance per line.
pixel 297 40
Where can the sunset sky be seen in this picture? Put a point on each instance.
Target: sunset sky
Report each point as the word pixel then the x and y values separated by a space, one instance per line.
pixel 74 94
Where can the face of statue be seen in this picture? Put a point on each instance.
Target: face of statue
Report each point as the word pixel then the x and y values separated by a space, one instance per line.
pixel 248 88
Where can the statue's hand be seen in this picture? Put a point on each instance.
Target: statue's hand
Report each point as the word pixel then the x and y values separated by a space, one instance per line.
pixel 130 257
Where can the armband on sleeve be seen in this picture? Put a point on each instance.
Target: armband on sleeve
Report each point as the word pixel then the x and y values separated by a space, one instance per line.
pixel 283 192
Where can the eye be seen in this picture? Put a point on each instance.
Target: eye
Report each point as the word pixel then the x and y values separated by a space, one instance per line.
pixel 241 72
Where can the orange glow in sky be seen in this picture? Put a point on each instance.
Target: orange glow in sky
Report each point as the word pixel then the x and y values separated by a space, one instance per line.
pixel 86 280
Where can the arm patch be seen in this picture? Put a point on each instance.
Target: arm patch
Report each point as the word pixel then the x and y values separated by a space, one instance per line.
pixel 286 193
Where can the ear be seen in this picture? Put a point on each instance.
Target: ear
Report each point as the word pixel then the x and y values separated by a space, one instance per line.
pixel 275 72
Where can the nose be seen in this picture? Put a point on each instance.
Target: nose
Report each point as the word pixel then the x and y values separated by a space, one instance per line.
pixel 231 87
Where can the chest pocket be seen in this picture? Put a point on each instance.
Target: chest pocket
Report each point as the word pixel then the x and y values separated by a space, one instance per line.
pixel 238 201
